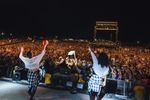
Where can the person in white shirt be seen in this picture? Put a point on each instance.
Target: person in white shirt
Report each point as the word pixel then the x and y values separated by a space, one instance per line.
pixel 98 79
pixel 32 64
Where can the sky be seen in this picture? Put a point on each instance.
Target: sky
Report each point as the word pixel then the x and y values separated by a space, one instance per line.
pixel 77 17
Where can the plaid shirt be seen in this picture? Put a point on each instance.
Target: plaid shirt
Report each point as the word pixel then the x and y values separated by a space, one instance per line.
pixel 94 83
pixel 33 78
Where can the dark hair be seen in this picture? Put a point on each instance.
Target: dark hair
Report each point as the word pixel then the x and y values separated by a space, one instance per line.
pixel 29 54
pixel 103 59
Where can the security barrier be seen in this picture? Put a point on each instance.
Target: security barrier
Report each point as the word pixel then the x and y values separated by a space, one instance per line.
pixel 122 86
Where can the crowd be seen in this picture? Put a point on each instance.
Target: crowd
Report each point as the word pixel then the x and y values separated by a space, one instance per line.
pixel 126 63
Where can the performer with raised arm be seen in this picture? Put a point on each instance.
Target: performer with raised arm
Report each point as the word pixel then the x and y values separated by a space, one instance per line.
pixel 33 64
pixel 98 78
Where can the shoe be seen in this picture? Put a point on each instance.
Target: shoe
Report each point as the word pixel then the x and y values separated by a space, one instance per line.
pixel 29 92
pixel 32 99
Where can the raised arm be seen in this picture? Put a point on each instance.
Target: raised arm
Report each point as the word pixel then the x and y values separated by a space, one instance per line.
pixel 21 54
pixel 94 58
pixel 39 57
pixel 45 46
pixel 44 49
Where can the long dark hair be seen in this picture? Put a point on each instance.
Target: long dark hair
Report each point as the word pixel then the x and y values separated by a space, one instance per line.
pixel 29 54
pixel 103 59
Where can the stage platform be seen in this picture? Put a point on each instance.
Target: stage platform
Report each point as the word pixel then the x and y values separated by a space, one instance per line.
pixel 17 90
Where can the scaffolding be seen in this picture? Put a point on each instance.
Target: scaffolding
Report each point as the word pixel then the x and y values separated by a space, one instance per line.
pixel 107 26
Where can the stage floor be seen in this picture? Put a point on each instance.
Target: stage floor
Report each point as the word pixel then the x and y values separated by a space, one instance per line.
pixel 15 91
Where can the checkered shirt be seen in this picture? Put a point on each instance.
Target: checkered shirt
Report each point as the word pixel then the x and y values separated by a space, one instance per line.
pixel 94 83
pixel 33 78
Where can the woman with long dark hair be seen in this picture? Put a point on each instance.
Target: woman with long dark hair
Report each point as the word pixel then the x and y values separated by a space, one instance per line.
pixel 98 78
pixel 32 64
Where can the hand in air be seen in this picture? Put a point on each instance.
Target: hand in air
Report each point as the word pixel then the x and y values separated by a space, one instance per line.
pixel 22 49
pixel 47 43
pixel 89 49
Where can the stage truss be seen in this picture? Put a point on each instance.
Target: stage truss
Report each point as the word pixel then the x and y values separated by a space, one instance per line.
pixel 106 26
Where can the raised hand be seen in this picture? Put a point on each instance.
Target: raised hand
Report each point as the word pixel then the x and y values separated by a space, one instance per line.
pixel 46 44
pixel 22 49
pixel 89 49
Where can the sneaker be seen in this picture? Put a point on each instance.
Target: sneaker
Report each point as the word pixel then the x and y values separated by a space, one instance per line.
pixel 29 92
pixel 32 99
